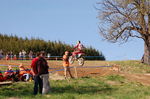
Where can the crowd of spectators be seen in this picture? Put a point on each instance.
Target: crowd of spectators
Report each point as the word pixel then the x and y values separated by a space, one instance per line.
pixel 22 55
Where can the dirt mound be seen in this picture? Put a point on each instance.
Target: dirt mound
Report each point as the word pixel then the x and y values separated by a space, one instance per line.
pixel 140 78
pixel 84 72
pixel 56 76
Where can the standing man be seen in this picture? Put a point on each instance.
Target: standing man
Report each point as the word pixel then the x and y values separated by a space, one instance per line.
pixel 1 54
pixel 38 84
pixel 66 64
pixel 40 72
pixel 43 72
pixel 30 55
pixel 24 54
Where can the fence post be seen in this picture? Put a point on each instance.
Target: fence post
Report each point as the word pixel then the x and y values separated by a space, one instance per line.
pixel 76 75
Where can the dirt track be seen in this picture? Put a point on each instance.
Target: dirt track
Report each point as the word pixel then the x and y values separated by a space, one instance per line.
pixel 144 79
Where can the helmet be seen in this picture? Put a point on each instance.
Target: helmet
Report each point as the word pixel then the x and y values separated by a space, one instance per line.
pixel 78 41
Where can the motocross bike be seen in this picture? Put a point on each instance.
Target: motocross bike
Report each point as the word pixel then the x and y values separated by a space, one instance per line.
pixel 78 57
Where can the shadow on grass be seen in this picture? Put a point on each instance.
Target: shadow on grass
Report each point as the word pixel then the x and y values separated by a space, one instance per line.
pixel 83 89
pixel 26 89
pixel 17 90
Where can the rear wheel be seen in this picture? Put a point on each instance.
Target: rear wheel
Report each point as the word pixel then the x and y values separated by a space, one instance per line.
pixel 71 59
pixel 81 61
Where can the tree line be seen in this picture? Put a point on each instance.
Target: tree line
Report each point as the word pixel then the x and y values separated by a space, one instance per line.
pixel 15 44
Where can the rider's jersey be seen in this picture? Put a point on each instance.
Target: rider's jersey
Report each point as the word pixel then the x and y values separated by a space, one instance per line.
pixel 79 47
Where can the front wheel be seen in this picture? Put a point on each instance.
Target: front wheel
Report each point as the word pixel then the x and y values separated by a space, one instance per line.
pixel 71 59
pixel 81 61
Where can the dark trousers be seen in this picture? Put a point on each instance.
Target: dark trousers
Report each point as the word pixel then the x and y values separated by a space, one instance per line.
pixel 38 85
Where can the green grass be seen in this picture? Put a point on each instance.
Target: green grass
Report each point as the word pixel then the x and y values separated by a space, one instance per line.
pixel 132 66
pixel 115 78
pixel 107 87
pixel 83 88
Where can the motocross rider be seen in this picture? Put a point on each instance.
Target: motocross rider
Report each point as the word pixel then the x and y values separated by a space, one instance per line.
pixel 78 48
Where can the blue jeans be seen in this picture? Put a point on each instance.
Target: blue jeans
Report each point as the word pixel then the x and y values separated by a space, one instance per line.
pixel 38 85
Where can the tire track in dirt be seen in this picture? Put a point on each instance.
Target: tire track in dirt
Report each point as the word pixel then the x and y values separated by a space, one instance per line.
pixel 144 79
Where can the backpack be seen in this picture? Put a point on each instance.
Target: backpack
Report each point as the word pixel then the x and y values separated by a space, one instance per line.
pixel 42 66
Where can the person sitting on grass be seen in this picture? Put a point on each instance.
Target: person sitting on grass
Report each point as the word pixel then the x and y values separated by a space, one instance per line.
pixel 24 73
pixel 1 76
pixel 9 74
pixel 66 64
pixel 16 76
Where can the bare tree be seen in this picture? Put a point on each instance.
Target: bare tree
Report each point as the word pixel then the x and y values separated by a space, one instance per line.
pixel 122 19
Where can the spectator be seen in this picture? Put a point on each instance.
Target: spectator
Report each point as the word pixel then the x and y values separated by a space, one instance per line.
pixel 40 71
pixel 15 57
pixel 24 54
pixel 9 74
pixel 11 55
pixel 43 72
pixel 1 76
pixel 30 55
pixel 1 54
pixel 7 57
pixel 20 55
pixel 48 56
pixel 66 64
pixel 24 73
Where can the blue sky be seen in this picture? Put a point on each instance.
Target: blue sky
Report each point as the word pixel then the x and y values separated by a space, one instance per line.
pixel 65 20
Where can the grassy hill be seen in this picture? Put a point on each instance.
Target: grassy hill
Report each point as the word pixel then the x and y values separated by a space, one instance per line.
pixel 131 82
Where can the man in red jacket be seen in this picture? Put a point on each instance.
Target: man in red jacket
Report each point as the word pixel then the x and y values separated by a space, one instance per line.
pixel 37 79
